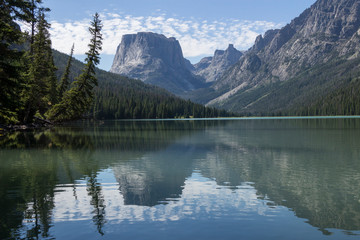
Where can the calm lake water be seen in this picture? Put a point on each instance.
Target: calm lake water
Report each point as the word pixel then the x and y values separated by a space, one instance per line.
pixel 203 179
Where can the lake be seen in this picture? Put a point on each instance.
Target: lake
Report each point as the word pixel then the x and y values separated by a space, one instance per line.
pixel 282 178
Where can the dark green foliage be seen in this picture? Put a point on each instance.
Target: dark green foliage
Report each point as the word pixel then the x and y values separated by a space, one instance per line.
pixel 64 81
pixel 52 82
pixel 298 95
pixel 32 12
pixel 40 92
pixel 344 101
pixel 122 98
pixel 77 100
pixel 118 97
pixel 10 65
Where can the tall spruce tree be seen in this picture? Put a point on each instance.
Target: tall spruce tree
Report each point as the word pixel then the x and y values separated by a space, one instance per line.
pixel 53 93
pixel 10 56
pixel 64 81
pixel 32 13
pixel 40 92
pixel 78 99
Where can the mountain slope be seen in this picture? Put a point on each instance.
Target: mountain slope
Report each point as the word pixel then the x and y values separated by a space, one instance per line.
pixel 118 97
pixel 296 94
pixel 155 59
pixel 211 68
pixel 324 38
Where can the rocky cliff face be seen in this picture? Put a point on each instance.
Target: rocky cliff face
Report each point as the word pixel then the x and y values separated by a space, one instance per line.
pixel 154 59
pixel 211 68
pixel 327 31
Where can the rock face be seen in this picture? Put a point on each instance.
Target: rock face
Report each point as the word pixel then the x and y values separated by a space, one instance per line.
pixel 211 68
pixel 327 31
pixel 155 59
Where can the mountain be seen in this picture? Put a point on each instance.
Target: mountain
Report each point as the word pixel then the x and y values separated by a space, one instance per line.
pixel 119 97
pixel 211 68
pixel 155 59
pixel 290 68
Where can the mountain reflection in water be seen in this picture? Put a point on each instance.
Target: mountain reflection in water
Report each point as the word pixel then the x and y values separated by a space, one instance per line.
pixel 159 171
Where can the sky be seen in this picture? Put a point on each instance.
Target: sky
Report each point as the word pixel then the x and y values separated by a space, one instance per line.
pixel 201 26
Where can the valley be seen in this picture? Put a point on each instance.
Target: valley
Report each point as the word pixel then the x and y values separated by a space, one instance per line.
pixel 286 71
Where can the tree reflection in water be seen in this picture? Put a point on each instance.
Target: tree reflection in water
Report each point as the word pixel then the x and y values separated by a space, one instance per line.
pixel 97 201
pixel 309 166
pixel 32 173
pixel 35 162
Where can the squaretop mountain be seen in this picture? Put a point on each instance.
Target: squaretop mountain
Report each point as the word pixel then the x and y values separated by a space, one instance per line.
pixel 311 66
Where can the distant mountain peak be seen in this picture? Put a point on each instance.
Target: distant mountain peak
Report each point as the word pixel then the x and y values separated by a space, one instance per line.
pixel 211 68
pixel 156 59
pixel 328 31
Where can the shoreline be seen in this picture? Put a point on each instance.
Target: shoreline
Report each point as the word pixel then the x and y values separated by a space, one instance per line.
pixel 40 123
pixel 23 127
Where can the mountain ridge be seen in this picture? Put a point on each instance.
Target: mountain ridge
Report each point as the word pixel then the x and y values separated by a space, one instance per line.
pixel 327 31
pixel 211 68
pixel 298 58
pixel 120 97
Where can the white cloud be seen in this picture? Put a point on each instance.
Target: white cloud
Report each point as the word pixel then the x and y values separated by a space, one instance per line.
pixel 198 37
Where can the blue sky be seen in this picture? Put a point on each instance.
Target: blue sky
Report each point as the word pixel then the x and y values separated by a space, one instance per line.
pixel 201 26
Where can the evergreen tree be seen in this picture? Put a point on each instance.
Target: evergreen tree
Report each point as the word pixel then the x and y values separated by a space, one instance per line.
pixel 32 12
pixel 40 92
pixel 53 93
pixel 64 82
pixel 10 69
pixel 78 99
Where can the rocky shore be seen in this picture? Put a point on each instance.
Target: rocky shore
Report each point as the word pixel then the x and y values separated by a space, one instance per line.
pixel 37 124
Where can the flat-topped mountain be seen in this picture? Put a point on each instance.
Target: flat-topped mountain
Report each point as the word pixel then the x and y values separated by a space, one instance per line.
pixel 155 59
pixel 211 68
pixel 291 70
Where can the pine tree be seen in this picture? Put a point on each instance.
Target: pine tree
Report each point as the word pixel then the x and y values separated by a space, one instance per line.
pixel 40 93
pixel 64 82
pixel 10 56
pixel 32 12
pixel 78 99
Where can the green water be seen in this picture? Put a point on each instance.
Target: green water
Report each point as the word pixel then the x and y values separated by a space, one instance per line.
pixel 199 179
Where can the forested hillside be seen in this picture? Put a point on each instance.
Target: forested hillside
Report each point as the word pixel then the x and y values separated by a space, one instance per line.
pixel 344 101
pixel 40 84
pixel 118 97
pixel 298 69
pixel 30 90
pixel 310 93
